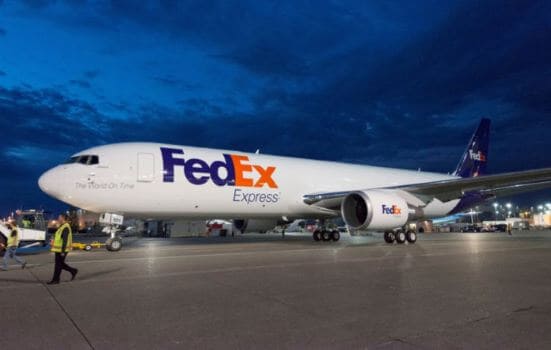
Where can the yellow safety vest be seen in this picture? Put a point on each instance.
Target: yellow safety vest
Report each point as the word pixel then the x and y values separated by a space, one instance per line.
pixel 13 241
pixel 58 241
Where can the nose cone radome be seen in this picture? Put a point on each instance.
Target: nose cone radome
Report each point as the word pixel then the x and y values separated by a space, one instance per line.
pixel 48 183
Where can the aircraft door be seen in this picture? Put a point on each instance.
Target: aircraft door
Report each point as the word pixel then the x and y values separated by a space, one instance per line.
pixel 146 167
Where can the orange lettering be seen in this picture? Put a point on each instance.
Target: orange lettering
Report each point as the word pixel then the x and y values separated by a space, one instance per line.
pixel 241 168
pixel 265 176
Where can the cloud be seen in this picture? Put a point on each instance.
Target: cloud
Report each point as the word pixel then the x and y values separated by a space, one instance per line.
pixel 91 74
pixel 399 84
pixel 80 83
pixel 173 82
pixel 38 3
pixel 60 121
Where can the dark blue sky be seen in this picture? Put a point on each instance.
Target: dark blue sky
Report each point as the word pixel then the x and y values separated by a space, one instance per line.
pixel 392 83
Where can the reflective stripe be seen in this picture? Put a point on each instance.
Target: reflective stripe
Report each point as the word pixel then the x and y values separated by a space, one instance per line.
pixel 58 240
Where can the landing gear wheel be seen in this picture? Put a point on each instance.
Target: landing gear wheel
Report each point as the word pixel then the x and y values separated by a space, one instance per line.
pixel 411 237
pixel 400 237
pixel 325 235
pixel 317 235
pixel 335 236
pixel 88 247
pixel 113 244
pixel 390 237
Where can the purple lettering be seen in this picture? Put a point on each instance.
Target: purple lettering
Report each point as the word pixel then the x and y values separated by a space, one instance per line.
pixel 169 162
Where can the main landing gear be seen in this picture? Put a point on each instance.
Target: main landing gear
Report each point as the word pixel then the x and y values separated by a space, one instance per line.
pixel 400 236
pixel 326 235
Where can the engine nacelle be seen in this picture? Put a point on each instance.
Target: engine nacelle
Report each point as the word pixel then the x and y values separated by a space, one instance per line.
pixel 375 210
pixel 255 225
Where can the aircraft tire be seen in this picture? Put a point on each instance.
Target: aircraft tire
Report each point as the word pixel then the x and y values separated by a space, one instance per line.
pixel 335 236
pixel 317 235
pixel 400 237
pixel 411 237
pixel 390 237
pixel 325 235
pixel 113 244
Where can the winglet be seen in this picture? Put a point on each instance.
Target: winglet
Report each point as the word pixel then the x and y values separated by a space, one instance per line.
pixel 474 160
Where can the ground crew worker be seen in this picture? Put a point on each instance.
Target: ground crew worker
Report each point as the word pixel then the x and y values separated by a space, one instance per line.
pixel 26 223
pixel 62 244
pixel 11 247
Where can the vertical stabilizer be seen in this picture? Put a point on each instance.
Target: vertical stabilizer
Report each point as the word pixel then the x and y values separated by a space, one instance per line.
pixel 474 160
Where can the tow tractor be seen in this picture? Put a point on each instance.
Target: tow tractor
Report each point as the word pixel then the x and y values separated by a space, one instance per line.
pixel 87 246
pixel 31 226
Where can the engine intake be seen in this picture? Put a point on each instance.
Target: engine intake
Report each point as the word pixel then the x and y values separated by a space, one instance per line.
pixel 374 209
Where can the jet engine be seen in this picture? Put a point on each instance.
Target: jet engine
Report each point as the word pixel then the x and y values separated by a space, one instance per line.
pixel 255 225
pixel 375 210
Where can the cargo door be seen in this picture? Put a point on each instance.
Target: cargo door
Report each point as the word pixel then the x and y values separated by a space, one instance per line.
pixel 146 167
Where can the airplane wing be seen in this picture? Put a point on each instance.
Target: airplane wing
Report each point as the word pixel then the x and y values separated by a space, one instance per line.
pixel 500 184
pixel 487 186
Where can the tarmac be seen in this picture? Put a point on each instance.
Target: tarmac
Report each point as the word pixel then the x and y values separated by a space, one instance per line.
pixel 453 291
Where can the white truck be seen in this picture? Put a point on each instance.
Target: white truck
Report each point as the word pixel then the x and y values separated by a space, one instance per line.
pixel 32 228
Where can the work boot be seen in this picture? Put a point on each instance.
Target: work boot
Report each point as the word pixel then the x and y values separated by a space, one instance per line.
pixel 24 264
pixel 74 274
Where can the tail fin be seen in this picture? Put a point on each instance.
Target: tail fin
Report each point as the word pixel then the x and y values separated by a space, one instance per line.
pixel 474 160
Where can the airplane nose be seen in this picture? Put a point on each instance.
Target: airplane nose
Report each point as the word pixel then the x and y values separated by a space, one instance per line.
pixel 47 182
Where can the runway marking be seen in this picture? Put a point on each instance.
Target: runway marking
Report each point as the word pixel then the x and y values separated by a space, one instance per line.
pixel 278 266
pixel 206 255
pixel 65 312
pixel 332 260
pixel 293 251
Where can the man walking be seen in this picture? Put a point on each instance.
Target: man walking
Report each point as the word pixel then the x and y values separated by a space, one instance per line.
pixel 11 248
pixel 63 241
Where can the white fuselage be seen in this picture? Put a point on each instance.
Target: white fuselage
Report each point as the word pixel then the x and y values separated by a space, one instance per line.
pixel 133 179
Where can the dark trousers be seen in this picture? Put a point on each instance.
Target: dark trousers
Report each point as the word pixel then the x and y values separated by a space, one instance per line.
pixel 61 265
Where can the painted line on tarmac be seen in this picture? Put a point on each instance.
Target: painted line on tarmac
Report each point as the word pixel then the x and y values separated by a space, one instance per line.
pixel 283 266
pixel 329 260
pixel 307 250
pixel 169 257
pixel 64 311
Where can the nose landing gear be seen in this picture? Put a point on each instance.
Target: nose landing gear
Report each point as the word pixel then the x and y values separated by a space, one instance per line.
pixel 113 244
pixel 112 222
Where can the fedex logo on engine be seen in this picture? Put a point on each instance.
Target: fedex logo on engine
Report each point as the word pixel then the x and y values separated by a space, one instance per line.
pixel 233 170
pixel 392 210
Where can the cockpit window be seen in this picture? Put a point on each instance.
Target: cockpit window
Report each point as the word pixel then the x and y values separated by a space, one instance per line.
pixel 84 159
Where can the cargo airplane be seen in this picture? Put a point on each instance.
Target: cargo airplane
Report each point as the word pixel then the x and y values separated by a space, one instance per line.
pixel 256 191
